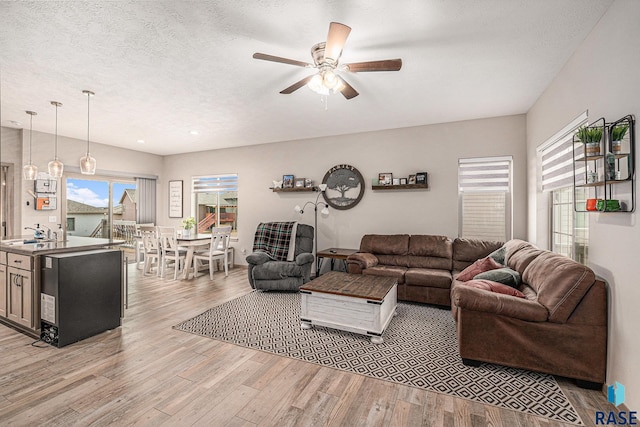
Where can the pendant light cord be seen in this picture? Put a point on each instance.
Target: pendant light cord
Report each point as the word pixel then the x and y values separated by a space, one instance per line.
pixel 88 102
pixel 30 136
pixel 56 140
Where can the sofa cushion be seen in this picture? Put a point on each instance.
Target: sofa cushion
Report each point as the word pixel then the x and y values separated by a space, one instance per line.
pixel 504 275
pixel 560 283
pixel 274 270
pixel 499 254
pixel 467 251
pixel 387 271
pixel 428 277
pixel 396 244
pixel 480 266
pixel 491 286
pixel 435 246
pixel 520 255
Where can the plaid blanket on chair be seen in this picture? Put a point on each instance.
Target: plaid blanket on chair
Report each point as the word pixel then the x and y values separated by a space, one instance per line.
pixel 275 239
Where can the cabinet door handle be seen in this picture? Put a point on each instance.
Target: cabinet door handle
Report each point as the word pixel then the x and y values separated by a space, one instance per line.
pixel 17 261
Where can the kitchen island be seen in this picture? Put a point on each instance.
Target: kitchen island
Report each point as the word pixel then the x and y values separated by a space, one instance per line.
pixel 21 269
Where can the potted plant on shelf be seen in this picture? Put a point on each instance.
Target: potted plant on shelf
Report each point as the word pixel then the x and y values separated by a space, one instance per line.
pixel 591 137
pixel 617 133
pixel 188 224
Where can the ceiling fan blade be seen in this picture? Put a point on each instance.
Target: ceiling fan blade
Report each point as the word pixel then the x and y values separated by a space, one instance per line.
pixel 336 39
pixel 296 85
pixel 347 90
pixel 272 58
pixel 384 65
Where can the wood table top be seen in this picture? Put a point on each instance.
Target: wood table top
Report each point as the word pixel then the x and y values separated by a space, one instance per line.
pixel 369 287
pixel 336 253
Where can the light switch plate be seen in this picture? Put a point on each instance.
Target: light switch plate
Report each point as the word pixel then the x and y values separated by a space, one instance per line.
pixel 53 218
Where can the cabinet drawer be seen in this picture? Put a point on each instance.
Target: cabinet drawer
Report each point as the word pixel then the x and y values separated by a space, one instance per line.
pixel 3 257
pixel 19 261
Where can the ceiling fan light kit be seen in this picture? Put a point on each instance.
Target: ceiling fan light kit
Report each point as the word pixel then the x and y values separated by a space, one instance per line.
pixel 326 57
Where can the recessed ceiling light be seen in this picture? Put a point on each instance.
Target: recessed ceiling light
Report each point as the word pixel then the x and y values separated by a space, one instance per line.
pixel 141 141
pixel 194 132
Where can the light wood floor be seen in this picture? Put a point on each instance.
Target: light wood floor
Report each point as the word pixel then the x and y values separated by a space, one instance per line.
pixel 146 373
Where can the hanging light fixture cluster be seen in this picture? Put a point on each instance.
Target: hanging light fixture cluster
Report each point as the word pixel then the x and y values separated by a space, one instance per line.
pixel 55 166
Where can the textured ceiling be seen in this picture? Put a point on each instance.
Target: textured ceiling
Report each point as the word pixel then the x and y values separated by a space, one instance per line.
pixel 162 69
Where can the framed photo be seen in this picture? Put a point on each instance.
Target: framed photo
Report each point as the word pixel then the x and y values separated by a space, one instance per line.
pixel 287 181
pixel 396 181
pixel 421 178
pixel 175 199
pixel 412 179
pixel 403 181
pixel 299 182
pixel 385 178
pixel 308 182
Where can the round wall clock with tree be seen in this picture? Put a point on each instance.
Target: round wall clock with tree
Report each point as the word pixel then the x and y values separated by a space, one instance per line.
pixel 345 187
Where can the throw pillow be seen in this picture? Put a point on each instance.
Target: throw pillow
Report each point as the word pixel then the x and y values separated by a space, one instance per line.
pixel 480 266
pixel 505 275
pixel 499 254
pixel 490 286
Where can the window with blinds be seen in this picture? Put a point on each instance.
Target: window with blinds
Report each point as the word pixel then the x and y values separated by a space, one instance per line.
pixel 216 202
pixel 484 193
pixel 568 230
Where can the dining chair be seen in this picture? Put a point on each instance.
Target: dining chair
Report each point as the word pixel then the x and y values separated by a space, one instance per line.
pixel 150 247
pixel 218 251
pixel 170 251
pixel 139 244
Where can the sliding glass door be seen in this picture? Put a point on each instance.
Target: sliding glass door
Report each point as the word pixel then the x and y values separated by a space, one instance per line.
pixel 101 207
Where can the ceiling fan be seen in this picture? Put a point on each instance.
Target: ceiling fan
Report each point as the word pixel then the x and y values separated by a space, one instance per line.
pixel 326 57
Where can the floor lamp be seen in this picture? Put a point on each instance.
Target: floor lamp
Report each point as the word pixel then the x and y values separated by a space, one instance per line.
pixel 323 211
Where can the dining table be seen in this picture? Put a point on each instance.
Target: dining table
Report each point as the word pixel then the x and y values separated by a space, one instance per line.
pixel 192 242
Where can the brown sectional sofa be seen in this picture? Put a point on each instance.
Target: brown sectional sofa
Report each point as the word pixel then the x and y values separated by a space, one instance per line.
pixel 559 327
pixel 424 265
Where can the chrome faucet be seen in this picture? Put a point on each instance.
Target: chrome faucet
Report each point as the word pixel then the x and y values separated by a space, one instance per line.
pixel 38 233
pixel 48 232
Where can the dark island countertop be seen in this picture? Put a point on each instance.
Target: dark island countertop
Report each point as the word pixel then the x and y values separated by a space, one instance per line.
pixel 46 247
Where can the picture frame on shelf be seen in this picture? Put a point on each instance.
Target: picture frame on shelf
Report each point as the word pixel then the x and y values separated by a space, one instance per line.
pixel 287 181
pixel 385 178
pixel 403 181
pixel 299 182
pixel 412 179
pixel 308 182
pixel 421 178
pixel 396 181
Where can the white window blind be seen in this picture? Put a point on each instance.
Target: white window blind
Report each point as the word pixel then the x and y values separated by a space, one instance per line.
pixel 215 183
pixel 556 158
pixel 484 188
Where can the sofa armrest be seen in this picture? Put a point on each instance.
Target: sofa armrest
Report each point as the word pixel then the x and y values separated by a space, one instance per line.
pixel 474 299
pixel 304 258
pixel 258 258
pixel 363 260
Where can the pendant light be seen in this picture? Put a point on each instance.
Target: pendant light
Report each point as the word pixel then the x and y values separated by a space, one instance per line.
pixel 30 171
pixel 88 163
pixel 55 166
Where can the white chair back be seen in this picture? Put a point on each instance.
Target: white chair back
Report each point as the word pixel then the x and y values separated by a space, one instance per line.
pixel 220 238
pixel 168 238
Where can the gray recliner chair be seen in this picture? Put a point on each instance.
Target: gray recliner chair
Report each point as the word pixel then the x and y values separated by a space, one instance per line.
pixel 267 274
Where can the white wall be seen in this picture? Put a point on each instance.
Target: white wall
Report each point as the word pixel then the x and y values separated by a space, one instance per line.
pixel 435 149
pixel 11 153
pixel 602 77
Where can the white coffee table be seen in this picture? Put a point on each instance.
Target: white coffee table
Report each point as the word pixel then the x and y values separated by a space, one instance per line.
pixel 349 302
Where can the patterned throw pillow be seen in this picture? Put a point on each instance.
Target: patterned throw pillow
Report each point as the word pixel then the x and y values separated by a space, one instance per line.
pixel 480 266
pixel 490 286
pixel 505 275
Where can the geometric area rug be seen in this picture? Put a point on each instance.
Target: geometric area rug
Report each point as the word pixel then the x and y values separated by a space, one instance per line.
pixel 420 350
